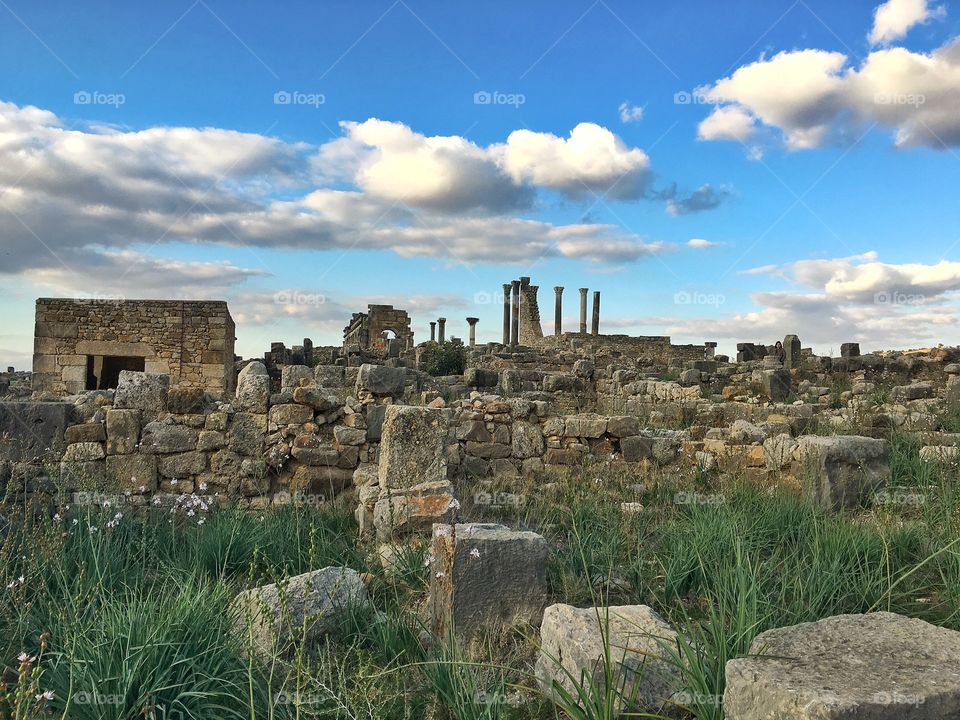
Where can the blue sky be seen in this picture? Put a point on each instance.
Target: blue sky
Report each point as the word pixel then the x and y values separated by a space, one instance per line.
pixel 425 157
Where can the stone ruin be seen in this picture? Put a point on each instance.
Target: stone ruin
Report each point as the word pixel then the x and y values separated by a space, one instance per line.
pixel 369 331
pixel 408 448
pixel 82 345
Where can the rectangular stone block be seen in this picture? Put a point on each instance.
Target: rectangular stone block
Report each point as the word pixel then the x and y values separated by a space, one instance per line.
pixel 484 575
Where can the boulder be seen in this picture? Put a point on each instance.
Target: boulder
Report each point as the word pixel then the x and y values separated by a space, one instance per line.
pixel 136 472
pixel 527 440
pixel 186 400
pixel 381 380
pixel 292 375
pixel 879 666
pixel 484 575
pixel 35 427
pixel 413 446
pixel 776 384
pixel 481 378
pixel 168 437
pixel 85 432
pixel 253 388
pixel 412 510
pixel 841 470
pixel 572 647
pixel 292 414
pixel 84 452
pixel 247 433
pixel 142 391
pixel 307 606
pixel 916 391
pixel 123 431
pixel 349 436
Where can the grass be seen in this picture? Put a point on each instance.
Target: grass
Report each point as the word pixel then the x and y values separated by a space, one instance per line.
pixel 135 610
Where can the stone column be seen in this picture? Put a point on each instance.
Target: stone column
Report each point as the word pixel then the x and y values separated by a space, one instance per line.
pixel 441 323
pixel 515 320
pixel 595 324
pixel 507 287
pixel 472 322
pixel 558 310
pixel 433 332
pixel 583 310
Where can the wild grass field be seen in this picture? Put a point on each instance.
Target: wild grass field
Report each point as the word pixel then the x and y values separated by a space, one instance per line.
pixel 110 612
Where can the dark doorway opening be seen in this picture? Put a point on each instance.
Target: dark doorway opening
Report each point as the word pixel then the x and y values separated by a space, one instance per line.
pixel 103 371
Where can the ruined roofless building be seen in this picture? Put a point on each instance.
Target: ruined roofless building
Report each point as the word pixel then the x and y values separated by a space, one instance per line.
pixel 366 330
pixel 84 344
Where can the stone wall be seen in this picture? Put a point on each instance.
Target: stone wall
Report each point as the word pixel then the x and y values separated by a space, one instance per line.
pixel 191 341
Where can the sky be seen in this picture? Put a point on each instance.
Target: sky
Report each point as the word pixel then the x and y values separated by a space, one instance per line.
pixel 730 171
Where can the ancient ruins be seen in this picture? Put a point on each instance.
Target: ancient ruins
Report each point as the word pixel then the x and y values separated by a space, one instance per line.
pixel 146 399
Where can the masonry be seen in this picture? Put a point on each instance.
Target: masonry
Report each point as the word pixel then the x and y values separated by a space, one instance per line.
pixel 84 344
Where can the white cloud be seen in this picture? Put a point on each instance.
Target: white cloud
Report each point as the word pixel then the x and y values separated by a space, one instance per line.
pixel 443 173
pixel 815 97
pixel 732 122
pixel 74 200
pixel 630 113
pixel 591 160
pixel 853 299
pixel 701 244
pixel 894 18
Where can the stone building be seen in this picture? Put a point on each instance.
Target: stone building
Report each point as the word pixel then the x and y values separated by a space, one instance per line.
pixel 371 330
pixel 84 344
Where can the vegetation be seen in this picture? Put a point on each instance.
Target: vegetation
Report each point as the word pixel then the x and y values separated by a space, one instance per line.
pixel 446 358
pixel 107 614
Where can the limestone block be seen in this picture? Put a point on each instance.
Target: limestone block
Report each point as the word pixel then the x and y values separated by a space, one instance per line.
pixel 879 666
pixel 572 645
pixel 413 446
pixel 486 575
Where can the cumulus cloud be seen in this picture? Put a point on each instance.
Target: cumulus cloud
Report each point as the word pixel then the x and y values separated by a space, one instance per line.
pixel 728 123
pixel 895 18
pixel 630 113
pixel 853 299
pixel 590 160
pixel 444 173
pixel 75 200
pixel 815 97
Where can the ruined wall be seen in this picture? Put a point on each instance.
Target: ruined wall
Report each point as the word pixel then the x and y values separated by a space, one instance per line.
pixel 192 341
pixel 366 329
